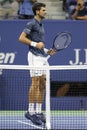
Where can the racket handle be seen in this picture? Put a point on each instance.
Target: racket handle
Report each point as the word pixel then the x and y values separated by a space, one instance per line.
pixel 48 57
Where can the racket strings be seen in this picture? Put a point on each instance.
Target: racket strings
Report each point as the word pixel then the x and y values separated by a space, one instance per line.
pixel 62 41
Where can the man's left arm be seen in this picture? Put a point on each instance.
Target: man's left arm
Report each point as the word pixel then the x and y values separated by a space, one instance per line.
pixel 82 17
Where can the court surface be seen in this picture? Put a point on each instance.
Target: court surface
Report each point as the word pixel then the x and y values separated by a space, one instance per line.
pixel 60 120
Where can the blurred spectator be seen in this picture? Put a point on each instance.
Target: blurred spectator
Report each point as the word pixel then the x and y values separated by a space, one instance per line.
pixel 25 9
pixel 68 88
pixel 62 91
pixel 70 6
pixel 80 11
pixel 8 9
pixel 64 5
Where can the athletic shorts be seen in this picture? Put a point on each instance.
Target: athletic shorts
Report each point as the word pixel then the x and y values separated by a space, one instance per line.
pixel 37 61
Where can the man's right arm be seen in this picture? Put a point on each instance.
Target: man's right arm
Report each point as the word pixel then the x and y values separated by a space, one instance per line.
pixel 75 14
pixel 23 38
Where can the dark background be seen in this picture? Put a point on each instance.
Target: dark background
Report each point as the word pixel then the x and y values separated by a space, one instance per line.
pixel 68 88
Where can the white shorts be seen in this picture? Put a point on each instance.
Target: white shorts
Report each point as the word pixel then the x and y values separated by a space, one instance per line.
pixel 37 61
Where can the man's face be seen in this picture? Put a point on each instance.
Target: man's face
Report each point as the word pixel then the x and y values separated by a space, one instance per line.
pixel 42 12
pixel 81 2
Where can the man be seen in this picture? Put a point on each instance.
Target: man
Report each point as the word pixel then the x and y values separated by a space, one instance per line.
pixel 33 35
pixel 80 12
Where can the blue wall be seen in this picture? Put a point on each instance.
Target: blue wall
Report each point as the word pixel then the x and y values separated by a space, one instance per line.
pixel 13 95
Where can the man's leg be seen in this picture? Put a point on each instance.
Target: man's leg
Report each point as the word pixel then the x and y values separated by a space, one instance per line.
pixel 32 98
pixel 33 93
pixel 40 97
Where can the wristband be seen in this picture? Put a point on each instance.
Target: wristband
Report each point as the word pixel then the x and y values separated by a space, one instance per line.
pixel 33 44
pixel 46 50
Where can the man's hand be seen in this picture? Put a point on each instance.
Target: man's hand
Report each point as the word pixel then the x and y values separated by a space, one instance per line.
pixel 78 7
pixel 40 45
pixel 51 51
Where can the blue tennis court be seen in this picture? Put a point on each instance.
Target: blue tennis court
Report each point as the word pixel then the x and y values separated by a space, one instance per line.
pixel 60 120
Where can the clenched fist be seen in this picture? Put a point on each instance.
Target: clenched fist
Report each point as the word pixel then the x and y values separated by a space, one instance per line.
pixel 40 45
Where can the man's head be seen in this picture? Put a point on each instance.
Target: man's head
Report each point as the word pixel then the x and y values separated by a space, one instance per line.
pixel 39 9
pixel 80 2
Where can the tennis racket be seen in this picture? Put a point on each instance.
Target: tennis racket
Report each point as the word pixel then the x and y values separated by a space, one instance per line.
pixel 61 41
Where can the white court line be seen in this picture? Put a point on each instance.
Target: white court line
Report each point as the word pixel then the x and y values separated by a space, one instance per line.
pixel 7 120
pixel 22 122
pixel 30 124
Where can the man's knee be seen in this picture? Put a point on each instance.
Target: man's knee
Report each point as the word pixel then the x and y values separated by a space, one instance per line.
pixel 35 82
pixel 43 82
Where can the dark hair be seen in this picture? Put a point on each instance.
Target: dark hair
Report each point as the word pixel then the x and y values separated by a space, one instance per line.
pixel 37 6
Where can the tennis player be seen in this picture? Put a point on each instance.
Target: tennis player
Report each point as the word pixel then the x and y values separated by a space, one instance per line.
pixel 33 36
